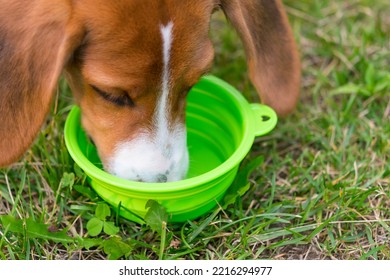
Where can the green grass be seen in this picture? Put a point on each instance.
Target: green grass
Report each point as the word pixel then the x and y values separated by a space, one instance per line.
pixel 322 192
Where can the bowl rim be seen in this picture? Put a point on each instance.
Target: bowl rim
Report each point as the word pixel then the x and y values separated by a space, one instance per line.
pixel 234 159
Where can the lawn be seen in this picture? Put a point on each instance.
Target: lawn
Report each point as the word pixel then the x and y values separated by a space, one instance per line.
pixel 322 191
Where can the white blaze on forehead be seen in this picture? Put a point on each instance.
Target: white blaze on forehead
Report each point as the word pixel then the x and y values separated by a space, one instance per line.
pixel 159 155
pixel 162 106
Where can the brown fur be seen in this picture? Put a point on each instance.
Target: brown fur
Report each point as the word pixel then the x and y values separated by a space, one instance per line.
pixel 116 46
pixel 272 57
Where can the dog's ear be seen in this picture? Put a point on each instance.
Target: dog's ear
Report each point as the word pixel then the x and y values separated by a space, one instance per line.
pixel 36 39
pixel 271 53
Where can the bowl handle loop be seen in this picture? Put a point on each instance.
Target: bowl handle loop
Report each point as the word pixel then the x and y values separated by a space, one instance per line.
pixel 265 118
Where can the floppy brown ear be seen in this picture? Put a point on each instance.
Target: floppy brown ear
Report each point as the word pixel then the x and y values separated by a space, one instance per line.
pixel 272 56
pixel 36 38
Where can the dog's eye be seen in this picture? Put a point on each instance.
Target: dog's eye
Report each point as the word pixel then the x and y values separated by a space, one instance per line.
pixel 119 100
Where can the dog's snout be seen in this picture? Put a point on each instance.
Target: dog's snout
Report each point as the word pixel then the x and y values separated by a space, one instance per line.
pixel 146 160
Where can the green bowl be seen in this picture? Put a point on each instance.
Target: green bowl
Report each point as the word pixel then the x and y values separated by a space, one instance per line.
pixel 221 128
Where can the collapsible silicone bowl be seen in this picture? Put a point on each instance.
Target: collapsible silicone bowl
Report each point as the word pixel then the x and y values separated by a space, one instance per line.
pixel 221 128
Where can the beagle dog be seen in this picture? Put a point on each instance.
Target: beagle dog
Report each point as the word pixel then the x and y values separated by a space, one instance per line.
pixel 130 65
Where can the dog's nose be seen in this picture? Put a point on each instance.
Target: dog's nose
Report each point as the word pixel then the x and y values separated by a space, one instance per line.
pixel 162 178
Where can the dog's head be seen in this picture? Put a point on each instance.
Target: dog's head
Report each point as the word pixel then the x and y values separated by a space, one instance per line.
pixel 130 65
